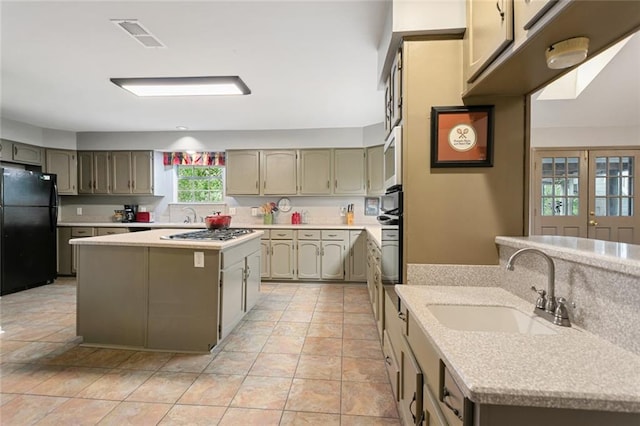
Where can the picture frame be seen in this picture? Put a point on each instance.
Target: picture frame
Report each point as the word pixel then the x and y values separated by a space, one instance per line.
pixel 371 206
pixel 462 136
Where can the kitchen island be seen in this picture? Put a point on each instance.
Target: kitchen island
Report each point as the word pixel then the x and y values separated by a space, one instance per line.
pixel 140 291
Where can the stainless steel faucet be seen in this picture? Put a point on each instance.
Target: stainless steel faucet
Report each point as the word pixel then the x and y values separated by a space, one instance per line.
pixel 555 309
pixel 195 215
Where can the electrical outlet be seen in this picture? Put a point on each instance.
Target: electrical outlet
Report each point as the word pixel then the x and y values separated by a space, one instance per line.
pixel 232 210
pixel 254 211
pixel 198 259
pixel 79 211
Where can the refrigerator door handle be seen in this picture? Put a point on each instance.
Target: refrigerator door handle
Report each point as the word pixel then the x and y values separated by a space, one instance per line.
pixel 53 207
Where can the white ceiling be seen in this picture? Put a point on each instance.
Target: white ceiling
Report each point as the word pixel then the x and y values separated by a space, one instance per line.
pixel 309 64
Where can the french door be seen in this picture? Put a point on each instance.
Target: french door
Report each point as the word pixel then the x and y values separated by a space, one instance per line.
pixel 586 193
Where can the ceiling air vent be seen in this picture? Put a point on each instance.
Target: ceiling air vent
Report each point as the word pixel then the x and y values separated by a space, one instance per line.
pixel 138 32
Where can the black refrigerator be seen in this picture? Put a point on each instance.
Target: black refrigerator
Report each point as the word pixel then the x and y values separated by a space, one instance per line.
pixel 28 220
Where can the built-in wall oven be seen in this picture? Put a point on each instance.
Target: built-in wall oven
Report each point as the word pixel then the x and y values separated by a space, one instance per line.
pixel 391 241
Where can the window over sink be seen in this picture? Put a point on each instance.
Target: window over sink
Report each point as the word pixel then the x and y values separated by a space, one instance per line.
pixel 199 184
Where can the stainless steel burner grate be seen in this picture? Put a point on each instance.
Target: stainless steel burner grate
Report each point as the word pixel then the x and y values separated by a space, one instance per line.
pixel 211 235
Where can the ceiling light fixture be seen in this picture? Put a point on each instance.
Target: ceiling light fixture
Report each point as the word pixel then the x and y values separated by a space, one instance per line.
pixel 182 128
pixel 567 53
pixel 184 86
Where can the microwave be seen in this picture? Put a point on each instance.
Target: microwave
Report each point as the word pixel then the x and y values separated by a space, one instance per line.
pixel 393 158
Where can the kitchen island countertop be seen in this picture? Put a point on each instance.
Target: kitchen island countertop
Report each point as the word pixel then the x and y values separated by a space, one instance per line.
pixel 153 238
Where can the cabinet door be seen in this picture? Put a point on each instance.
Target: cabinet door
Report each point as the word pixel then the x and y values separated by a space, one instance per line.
pixel 6 150
pixel 142 172
pixel 65 165
pixel 85 172
pixel 349 171
pixel 242 174
pixel 411 385
pixel 375 170
pixel 396 89
pixel 231 296
pixel 265 251
pixel 101 173
pixel 315 172
pixel 280 172
pixel 252 280
pixel 528 12
pixel 27 154
pixel 308 259
pixel 65 258
pixel 490 31
pixel 388 102
pixel 391 363
pixel 282 259
pixel 121 172
pixel 357 256
pixel 333 254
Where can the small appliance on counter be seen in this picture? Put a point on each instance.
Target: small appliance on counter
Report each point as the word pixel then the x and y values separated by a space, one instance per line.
pixel 130 211
pixel 145 217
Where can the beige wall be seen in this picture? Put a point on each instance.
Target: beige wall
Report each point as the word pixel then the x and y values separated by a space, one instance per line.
pixel 453 215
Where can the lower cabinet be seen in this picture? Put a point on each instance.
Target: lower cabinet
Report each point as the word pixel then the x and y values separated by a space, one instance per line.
pixel 277 254
pixel 357 270
pixel 308 258
pixel 321 254
pixel 411 384
pixel 239 284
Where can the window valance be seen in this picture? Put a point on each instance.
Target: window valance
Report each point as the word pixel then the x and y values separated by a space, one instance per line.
pixel 194 158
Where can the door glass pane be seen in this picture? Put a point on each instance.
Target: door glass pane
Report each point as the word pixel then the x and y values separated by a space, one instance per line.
pixel 625 186
pixel 601 206
pixel 574 206
pixel 626 207
pixel 614 207
pixel 601 186
pixel 547 187
pixel 547 167
pixel 573 166
pixel 627 166
pixel 614 166
pixel 560 166
pixel 614 186
pixel 546 208
pixel 572 186
pixel 559 204
pixel 560 187
pixel 601 166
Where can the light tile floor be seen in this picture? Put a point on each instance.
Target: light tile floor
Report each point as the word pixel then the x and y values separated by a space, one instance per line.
pixel 306 354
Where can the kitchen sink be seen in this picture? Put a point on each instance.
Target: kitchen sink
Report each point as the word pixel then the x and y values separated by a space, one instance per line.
pixel 503 319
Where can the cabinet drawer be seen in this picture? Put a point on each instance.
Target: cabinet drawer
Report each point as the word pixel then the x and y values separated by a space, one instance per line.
pixel 266 235
pixel 82 232
pixel 334 235
pixel 111 231
pixel 391 363
pixel 310 234
pixel 282 234
pixel 457 409
pixel 424 353
pixel 390 234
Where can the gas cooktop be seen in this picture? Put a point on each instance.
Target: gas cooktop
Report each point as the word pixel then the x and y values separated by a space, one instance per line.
pixel 210 235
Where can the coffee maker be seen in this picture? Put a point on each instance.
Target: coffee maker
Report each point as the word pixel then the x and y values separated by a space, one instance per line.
pixel 130 211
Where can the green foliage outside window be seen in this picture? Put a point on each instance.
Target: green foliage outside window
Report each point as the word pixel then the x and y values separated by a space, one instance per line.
pixel 200 184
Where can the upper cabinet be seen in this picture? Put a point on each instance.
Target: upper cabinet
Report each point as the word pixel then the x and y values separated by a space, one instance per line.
pixel 63 163
pixel 315 172
pixel 489 32
pixel 393 94
pixel 243 172
pixel 279 172
pixel 254 172
pixel 115 172
pixel 505 55
pixel 349 171
pixel 21 153
pixel 131 172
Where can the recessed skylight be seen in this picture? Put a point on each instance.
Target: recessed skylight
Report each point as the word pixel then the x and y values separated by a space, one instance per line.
pixel 184 86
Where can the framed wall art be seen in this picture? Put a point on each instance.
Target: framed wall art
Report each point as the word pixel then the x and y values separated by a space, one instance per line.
pixel 462 136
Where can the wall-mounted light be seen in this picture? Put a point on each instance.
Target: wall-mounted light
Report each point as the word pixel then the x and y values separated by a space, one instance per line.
pixel 183 86
pixel 567 53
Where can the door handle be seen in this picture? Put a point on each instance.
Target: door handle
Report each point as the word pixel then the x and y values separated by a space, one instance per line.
pixel 593 223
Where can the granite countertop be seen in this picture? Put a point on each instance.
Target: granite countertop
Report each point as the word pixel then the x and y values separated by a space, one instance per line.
pixel 152 238
pixel 569 369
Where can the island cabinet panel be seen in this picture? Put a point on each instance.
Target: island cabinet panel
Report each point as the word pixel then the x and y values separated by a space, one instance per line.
pixel 183 299
pixel 232 297
pixel 112 302
pixel 253 279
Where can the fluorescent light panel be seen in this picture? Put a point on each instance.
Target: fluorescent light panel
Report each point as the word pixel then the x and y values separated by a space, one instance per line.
pixel 184 86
